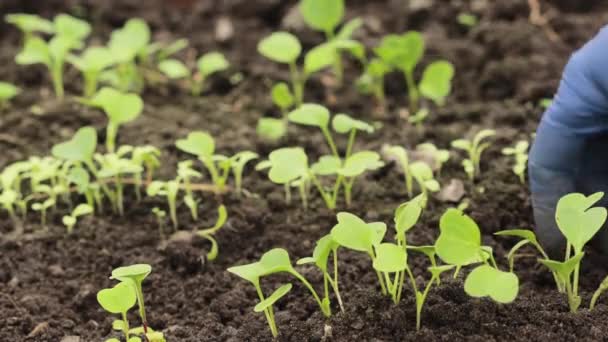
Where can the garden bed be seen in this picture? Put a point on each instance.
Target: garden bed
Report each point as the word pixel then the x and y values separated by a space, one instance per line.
pixel 504 66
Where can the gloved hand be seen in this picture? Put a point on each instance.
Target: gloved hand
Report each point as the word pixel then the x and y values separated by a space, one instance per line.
pixel 569 152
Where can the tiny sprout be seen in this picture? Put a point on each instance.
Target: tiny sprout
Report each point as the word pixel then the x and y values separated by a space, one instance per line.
pixel 418 171
pixel 208 233
pixel 119 300
pixel 160 220
pixel 134 275
pixel 70 220
pixel 202 145
pixel 474 148
pixel 120 108
pixel 7 92
pixel 126 44
pixel 439 156
pixel 285 48
pixel 545 103
pixel 170 190
pixel 325 16
pixel 467 19
pixel 92 63
pixel 273 129
pixel 69 34
pixel 42 207
pixel 520 153
pixel 207 65
pixel 372 80
pixel 578 221
pixel 459 244
pixel 404 52
pixel 274 261
pixel 185 173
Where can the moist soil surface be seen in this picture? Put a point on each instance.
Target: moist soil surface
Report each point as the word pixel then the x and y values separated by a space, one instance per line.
pixel 504 66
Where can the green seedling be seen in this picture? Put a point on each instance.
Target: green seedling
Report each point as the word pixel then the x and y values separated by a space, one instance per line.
pixel 353 233
pixel 372 80
pixel 160 220
pixel 30 24
pixel 120 108
pixel 118 300
pixel 208 233
pixel 596 295
pixel 545 103
pixel 289 166
pixel 185 174
pixel 325 16
pixel 91 63
pixel 126 45
pixel 459 244
pixel 527 238
pixel 69 35
pixel 170 190
pixel 285 48
pixel 474 148
pixel 520 154
pixel 439 156
pixel 208 64
pixel 578 221
pixel 320 256
pixel 69 221
pixel 271 128
pixel 42 207
pixel 202 145
pixel 418 171
pixel 147 158
pixel 272 262
pixel 134 275
pixel 114 166
pixel 345 169
pixel 7 92
pixel 467 19
pixel 403 53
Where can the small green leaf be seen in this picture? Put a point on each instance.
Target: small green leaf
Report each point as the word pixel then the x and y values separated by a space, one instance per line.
pixel 30 23
pixel 271 129
pixel 287 164
pixel 343 123
pixel 360 162
pixel 408 214
pixel 320 57
pixel 436 81
pixel 275 260
pixel 310 114
pixel 485 280
pixel 78 149
pixel 119 107
pixel 352 232
pixel 198 143
pixel 281 47
pixel 93 59
pixel 390 258
pixel 348 29
pixel 459 242
pixel 563 269
pixel 461 144
pixel 137 272
pixel 320 254
pixel 71 27
pixel 281 96
pixel 82 209
pixel 131 39
pixel 35 50
pixel 273 298
pixel 327 165
pixel 402 51
pixel 174 68
pixel 577 220
pixel 436 271
pixel 212 62
pixel 322 15
pixel 68 221
pixel 250 272
pixel 117 299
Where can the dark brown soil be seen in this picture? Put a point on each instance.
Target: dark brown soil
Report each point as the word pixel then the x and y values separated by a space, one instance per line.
pixel 505 65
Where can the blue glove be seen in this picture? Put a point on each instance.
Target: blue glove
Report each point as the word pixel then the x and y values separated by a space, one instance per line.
pixel 568 154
